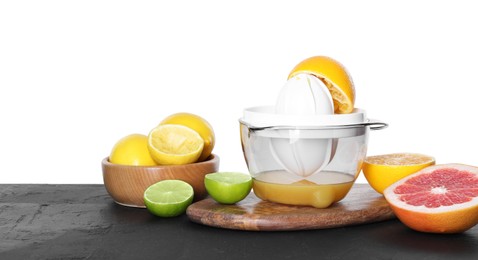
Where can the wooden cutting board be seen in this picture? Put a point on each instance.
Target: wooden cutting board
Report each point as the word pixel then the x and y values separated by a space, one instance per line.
pixel 361 205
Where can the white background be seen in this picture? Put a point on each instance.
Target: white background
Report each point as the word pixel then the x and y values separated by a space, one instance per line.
pixel 76 76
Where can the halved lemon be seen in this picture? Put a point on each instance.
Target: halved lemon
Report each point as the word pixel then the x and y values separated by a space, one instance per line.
pixel 199 125
pixel 382 171
pixel 174 144
pixel 335 77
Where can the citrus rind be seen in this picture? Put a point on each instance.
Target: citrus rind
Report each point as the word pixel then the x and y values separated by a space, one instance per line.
pixel 198 124
pixel 452 218
pixel 174 144
pixel 168 198
pixel 335 76
pixel 382 171
pixel 228 187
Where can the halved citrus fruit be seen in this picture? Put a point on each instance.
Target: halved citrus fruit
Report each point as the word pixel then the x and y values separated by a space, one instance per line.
pixel 199 125
pixel 168 198
pixel 228 187
pixel 174 144
pixel 335 77
pixel 437 199
pixel 382 171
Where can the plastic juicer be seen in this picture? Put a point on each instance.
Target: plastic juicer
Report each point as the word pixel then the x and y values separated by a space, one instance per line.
pixel 299 152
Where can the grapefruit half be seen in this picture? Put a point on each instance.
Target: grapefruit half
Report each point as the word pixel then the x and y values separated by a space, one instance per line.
pixel 437 199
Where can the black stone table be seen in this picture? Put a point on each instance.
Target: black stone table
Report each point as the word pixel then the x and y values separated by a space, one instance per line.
pixel 83 222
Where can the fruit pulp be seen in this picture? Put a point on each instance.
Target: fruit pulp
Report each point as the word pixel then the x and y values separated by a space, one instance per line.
pixel 320 190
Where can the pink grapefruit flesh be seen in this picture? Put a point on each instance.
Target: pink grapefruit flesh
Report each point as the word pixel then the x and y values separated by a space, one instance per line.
pixel 438 199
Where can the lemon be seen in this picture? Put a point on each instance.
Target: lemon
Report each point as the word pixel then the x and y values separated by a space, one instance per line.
pixel 168 198
pixel 132 150
pixel 228 187
pixel 199 125
pixel 335 77
pixel 382 171
pixel 174 144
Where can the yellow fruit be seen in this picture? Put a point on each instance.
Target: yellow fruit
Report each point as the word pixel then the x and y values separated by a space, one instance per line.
pixel 132 150
pixel 335 77
pixel 199 125
pixel 174 144
pixel 382 171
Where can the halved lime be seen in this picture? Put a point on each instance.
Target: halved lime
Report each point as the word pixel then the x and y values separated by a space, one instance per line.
pixel 168 198
pixel 228 187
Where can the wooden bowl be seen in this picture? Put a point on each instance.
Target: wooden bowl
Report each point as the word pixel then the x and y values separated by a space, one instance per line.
pixel 126 184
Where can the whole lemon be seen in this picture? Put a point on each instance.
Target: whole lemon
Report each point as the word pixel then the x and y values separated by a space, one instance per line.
pixel 199 125
pixel 132 150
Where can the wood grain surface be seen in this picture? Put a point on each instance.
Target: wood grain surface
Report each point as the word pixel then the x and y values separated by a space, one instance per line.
pixel 126 184
pixel 361 205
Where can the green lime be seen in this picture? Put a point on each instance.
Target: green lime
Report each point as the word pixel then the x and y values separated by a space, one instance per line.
pixel 228 187
pixel 168 198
